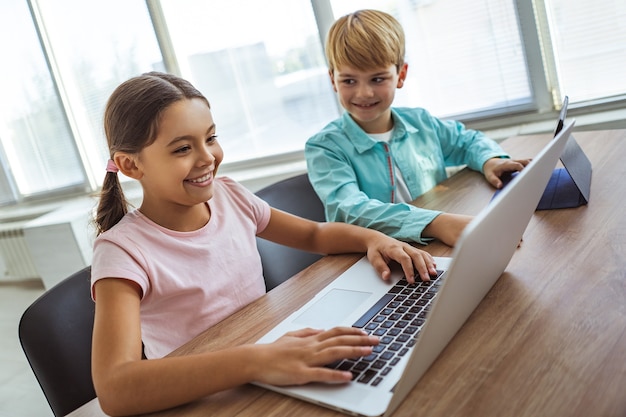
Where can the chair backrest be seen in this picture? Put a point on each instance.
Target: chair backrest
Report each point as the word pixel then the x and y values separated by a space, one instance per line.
pixel 55 333
pixel 294 195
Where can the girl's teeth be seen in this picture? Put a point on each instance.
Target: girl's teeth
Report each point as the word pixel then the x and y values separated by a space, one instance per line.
pixel 201 179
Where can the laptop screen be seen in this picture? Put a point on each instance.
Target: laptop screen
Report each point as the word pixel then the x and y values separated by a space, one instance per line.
pixel 562 116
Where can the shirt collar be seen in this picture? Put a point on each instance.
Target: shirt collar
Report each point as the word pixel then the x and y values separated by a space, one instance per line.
pixel 363 142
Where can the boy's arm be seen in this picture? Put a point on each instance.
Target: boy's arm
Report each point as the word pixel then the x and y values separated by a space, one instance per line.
pixel 462 146
pixel 335 182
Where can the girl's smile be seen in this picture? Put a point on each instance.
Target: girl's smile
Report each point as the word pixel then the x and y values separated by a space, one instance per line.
pixel 202 181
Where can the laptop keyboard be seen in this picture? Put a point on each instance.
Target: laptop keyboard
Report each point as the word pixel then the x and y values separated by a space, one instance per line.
pixel 396 319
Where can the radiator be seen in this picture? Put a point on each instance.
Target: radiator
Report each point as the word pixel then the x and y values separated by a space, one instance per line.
pixel 17 262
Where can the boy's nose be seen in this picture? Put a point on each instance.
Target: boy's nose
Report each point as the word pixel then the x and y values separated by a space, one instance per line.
pixel 365 90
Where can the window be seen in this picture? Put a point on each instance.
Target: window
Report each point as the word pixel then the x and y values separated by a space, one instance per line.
pixel 90 57
pixel 464 56
pixel 467 58
pixel 260 64
pixel 38 152
pixel 494 63
pixel 588 41
pixel 54 96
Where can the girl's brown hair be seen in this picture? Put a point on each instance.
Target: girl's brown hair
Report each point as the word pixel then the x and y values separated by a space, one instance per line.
pixel 131 122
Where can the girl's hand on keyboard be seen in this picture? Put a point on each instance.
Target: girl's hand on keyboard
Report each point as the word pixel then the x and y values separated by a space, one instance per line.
pixel 299 357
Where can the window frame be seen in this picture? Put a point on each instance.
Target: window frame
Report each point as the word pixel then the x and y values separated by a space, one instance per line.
pixel 541 66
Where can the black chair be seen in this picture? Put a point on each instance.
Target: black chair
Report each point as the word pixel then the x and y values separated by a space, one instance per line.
pixel 55 333
pixel 294 195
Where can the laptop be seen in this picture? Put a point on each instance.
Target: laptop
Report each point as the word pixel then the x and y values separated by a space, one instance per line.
pixel 569 186
pixel 382 381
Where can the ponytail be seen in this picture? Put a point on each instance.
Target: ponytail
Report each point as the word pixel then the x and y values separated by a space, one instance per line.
pixel 112 206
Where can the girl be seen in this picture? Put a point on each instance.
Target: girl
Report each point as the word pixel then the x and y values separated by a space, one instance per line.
pixel 187 258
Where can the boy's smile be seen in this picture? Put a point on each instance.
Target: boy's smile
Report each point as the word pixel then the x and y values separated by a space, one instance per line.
pixel 368 95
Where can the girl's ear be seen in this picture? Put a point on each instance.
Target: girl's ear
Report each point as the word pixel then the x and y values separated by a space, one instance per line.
pixel 402 74
pixel 127 165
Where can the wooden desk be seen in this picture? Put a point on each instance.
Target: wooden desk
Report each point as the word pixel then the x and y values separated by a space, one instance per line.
pixel 549 339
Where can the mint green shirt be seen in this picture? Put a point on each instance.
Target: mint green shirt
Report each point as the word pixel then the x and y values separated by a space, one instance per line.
pixel 354 175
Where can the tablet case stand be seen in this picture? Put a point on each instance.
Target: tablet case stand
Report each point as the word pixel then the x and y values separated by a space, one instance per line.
pixel 569 186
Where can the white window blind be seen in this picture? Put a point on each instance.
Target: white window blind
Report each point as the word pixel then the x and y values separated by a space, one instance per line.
pixel 464 56
pixel 589 42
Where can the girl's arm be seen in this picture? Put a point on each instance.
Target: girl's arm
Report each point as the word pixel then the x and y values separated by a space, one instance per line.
pixel 126 384
pixel 333 238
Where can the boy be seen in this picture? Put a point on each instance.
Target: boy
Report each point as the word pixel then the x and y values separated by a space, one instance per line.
pixel 368 165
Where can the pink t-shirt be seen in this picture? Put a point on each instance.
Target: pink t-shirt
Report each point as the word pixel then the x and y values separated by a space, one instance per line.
pixel 190 280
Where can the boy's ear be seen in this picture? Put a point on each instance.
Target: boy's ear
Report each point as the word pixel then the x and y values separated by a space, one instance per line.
pixel 402 74
pixel 331 73
pixel 127 165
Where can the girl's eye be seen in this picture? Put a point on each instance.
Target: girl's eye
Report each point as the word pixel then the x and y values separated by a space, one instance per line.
pixel 211 139
pixel 182 149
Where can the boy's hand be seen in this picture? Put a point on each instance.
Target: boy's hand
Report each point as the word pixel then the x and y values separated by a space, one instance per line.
pixel 494 168
pixel 414 262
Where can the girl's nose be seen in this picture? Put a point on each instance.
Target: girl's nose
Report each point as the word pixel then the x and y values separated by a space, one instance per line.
pixel 206 157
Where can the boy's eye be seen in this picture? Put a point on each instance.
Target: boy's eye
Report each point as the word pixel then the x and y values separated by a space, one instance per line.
pixel 348 81
pixel 378 80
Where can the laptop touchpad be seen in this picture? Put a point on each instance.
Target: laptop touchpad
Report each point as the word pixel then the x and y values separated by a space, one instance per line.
pixel 331 309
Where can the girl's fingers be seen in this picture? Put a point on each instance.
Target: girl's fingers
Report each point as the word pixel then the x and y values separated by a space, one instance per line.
pixel 304 332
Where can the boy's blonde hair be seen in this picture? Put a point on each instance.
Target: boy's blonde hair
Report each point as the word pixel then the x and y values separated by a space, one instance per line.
pixel 365 40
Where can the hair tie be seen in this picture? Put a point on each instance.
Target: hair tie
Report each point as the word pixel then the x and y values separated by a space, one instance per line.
pixel 111 167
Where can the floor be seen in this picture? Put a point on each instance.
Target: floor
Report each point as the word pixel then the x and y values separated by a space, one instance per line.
pixel 20 394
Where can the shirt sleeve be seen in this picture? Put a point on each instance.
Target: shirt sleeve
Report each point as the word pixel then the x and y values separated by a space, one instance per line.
pixel 110 260
pixel 335 182
pixel 462 146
